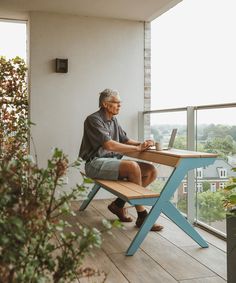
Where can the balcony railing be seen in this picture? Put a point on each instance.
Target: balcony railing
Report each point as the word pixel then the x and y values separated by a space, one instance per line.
pixel 209 128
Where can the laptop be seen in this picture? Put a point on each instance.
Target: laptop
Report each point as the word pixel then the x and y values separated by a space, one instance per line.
pixel 171 141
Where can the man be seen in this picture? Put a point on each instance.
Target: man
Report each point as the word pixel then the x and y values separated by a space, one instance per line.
pixel 104 142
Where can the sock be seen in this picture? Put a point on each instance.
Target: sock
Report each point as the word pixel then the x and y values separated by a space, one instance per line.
pixel 119 202
pixel 142 214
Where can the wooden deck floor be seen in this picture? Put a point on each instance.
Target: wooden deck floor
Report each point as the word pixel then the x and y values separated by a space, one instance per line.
pixel 164 257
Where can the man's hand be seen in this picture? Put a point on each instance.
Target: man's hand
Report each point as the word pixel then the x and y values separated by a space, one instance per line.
pixel 150 142
pixel 145 145
pixel 130 146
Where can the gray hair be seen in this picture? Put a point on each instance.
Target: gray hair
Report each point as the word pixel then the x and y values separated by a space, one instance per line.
pixel 106 95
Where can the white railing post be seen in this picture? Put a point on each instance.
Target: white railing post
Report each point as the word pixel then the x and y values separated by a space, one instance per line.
pixel 141 126
pixel 190 176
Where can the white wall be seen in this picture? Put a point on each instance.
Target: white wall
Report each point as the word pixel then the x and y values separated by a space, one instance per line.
pixel 102 53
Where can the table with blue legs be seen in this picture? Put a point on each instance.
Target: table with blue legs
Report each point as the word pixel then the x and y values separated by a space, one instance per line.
pixel 182 161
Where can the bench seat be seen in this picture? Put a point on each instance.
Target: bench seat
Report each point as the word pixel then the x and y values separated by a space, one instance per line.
pixel 128 191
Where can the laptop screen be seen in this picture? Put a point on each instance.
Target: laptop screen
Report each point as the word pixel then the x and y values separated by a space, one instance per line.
pixel 172 138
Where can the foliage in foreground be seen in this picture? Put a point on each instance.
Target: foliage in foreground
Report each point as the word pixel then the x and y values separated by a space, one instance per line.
pixel 37 244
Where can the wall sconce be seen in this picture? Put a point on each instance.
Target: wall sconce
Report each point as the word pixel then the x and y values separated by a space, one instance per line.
pixel 61 65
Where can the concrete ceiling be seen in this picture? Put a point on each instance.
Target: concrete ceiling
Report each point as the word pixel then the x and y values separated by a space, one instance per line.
pixel 137 10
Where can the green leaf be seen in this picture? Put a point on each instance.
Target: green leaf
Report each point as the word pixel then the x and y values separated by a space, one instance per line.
pixel 57 153
pixel 107 224
pixel 117 224
pixel 232 199
pixel 16 221
pixel 230 187
pixel 88 180
pixel 4 240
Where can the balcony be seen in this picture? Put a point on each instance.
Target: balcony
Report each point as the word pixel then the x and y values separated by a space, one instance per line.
pixel 197 132
pixel 167 256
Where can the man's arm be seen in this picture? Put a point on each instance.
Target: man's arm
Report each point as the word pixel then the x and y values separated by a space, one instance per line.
pixel 129 146
pixel 133 142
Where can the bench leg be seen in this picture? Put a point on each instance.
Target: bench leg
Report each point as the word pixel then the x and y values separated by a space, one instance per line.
pixel 171 212
pixel 90 196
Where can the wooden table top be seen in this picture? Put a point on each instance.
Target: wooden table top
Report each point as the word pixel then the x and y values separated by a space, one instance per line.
pixel 169 157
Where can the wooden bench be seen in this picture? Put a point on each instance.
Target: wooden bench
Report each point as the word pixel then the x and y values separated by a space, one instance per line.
pixel 128 191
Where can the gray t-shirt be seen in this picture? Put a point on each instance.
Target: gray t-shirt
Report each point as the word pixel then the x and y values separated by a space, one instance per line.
pixel 97 130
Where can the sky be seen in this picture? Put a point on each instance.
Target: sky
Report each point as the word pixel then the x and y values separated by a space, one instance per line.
pixel 13 39
pixel 193 57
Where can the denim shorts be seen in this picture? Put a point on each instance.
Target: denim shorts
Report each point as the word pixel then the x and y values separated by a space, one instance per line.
pixel 103 168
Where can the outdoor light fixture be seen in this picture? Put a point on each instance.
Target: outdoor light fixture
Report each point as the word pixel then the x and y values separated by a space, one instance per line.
pixel 61 65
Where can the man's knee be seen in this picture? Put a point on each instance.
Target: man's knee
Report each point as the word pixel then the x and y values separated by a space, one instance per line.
pixel 133 166
pixel 152 171
pixel 129 168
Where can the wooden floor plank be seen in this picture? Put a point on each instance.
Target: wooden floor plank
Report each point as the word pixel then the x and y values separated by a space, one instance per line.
pixel 211 257
pixel 179 264
pixel 100 261
pixel 214 279
pixel 141 268
pixel 113 242
pixel 212 239
pixel 166 256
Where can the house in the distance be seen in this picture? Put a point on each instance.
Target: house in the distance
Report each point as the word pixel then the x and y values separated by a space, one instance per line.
pixel 217 175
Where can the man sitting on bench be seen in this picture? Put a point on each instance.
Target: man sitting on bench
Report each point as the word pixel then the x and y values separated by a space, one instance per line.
pixel 103 144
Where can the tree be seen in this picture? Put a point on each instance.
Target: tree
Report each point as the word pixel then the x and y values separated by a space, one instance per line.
pixel 210 207
pixel 180 142
pixel 157 185
pixel 232 132
pixel 215 131
pixel 206 186
pixel 223 146
pixel 182 204
pixel 156 134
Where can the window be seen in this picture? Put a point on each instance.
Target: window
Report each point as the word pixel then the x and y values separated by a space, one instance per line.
pixel 222 173
pixel 13 46
pixel 199 187
pixel 199 173
pixel 221 185
pixel 185 188
pixel 14 94
pixel 213 187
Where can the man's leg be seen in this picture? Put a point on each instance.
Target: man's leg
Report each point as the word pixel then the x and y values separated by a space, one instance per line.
pixel 129 170
pixel 142 174
pixel 149 174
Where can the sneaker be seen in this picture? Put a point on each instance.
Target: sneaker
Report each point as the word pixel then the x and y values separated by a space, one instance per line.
pixel 155 227
pixel 120 212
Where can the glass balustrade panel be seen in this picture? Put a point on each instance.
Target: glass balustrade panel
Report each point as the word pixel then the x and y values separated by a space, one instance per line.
pixel 161 125
pixel 216 133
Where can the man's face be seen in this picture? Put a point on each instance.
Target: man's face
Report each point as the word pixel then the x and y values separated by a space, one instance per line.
pixel 113 105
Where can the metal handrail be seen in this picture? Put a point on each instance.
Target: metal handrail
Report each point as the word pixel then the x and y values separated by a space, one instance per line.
pixel 196 107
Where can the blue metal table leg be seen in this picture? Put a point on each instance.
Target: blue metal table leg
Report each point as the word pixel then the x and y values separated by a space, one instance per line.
pixel 90 196
pixel 171 212
pixel 170 187
pixel 143 230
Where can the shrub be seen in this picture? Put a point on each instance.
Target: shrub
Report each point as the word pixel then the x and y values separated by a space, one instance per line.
pixel 36 242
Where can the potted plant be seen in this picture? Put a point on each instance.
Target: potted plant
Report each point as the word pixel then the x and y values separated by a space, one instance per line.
pixel 230 205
